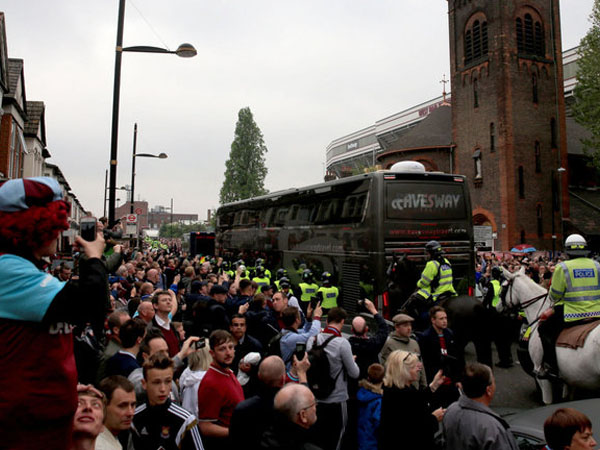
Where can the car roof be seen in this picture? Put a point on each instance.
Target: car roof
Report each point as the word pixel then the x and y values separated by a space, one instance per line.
pixel 531 422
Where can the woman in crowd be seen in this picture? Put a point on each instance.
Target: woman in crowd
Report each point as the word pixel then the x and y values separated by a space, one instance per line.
pixel 568 429
pixel 198 364
pixel 406 418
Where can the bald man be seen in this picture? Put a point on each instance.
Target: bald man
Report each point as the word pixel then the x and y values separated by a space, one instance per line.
pixel 296 411
pixel 252 416
pixel 367 348
pixel 146 311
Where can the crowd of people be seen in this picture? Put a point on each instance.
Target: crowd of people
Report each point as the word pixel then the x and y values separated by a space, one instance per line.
pixel 152 348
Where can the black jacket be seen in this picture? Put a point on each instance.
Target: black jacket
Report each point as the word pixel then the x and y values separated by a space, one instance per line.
pixel 286 435
pixel 432 354
pixel 406 419
pixel 251 418
pixel 367 350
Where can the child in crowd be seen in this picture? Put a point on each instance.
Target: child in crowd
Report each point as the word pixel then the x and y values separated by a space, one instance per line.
pixel 369 397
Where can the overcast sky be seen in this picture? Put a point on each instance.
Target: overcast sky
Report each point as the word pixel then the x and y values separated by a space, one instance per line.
pixel 310 70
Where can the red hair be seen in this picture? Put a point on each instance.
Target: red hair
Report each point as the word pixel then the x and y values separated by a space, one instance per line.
pixel 30 229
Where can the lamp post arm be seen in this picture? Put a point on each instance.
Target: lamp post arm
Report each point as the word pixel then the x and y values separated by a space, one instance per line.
pixel 146 49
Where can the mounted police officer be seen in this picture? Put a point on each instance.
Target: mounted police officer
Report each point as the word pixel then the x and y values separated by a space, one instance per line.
pixel 436 279
pixel 575 291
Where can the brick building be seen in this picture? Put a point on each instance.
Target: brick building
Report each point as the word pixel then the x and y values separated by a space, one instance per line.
pixel 504 127
pixel 14 115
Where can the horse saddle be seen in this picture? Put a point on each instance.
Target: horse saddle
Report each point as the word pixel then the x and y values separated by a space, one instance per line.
pixel 574 337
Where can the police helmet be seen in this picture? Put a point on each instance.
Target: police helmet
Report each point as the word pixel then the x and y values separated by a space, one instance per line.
pixel 496 272
pixel 307 275
pixel 284 282
pixel 259 262
pixel 326 277
pixel 576 245
pixel 433 248
pixel 260 271
pixel 281 273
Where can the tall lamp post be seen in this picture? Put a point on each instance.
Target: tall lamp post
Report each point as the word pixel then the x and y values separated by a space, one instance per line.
pixel 139 155
pixel 184 51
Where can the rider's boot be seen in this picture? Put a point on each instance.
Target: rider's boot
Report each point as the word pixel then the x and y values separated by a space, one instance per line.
pixel 549 367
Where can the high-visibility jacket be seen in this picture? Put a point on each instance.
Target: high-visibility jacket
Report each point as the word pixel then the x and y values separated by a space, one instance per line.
pixel 497 289
pixel 576 286
pixel 432 270
pixel 261 281
pixel 330 296
pixel 307 291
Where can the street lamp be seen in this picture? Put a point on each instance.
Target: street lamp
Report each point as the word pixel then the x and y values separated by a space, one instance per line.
pixel 184 51
pixel 139 155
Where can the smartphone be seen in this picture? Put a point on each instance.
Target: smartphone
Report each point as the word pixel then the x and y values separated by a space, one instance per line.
pixel 300 350
pixel 87 228
pixel 200 344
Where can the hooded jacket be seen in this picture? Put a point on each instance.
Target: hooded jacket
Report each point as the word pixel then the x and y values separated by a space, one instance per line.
pixel 369 398
pixel 189 383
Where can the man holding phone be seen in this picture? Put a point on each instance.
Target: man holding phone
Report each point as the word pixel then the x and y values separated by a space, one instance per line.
pixel 37 313
pixel 293 334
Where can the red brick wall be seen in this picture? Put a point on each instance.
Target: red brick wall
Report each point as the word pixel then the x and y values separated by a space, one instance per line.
pixel 505 97
pixel 5 131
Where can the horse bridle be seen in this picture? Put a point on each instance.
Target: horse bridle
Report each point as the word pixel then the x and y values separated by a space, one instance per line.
pixel 512 307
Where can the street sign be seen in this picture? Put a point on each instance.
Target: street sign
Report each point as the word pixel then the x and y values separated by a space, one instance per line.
pixel 131 224
pixel 131 219
pixel 484 237
pixel 138 211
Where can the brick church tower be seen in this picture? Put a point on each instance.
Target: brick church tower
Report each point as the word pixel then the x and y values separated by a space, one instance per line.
pixel 508 117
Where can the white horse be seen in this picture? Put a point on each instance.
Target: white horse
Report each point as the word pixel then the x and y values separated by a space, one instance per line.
pixel 578 368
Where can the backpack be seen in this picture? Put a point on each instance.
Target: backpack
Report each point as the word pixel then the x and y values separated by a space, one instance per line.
pixel 274 347
pixel 320 381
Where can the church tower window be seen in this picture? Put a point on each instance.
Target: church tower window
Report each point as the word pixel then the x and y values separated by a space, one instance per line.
pixel 530 35
pixel 476 41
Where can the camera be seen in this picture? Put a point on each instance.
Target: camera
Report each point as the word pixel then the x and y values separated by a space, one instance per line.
pixel 200 344
pixel 361 303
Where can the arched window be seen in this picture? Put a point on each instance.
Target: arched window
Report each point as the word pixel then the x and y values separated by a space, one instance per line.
pixel 475 93
pixel 534 88
pixel 530 35
pixel 476 41
pixel 492 137
pixel 521 183
pixel 540 221
pixel 538 158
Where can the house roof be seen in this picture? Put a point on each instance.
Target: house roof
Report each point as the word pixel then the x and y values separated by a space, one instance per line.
pixel 433 131
pixel 15 69
pixel 35 119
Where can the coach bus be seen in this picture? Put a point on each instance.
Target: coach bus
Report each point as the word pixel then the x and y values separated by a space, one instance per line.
pixel 355 228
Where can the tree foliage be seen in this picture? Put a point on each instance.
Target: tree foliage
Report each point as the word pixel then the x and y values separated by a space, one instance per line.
pixel 179 230
pixel 245 170
pixel 587 92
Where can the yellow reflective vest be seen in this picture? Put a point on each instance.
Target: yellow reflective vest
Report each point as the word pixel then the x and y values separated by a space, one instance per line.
pixel 576 286
pixel 432 268
pixel 497 288
pixel 330 296
pixel 308 291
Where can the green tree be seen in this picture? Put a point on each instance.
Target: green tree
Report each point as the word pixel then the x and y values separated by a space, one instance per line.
pixel 245 170
pixel 587 92
pixel 179 230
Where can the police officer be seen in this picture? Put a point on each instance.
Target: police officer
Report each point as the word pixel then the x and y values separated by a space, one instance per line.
pixel 502 325
pixel 261 278
pixel 575 291
pixel 308 289
pixel 327 293
pixel 436 278
pixel 261 262
pixel 281 273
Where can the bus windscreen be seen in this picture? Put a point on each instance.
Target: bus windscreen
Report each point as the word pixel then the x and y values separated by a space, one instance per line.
pixel 425 201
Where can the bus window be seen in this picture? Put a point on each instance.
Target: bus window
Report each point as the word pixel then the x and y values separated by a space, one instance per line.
pixel 323 212
pixel 281 216
pixel 349 207
pixel 294 213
